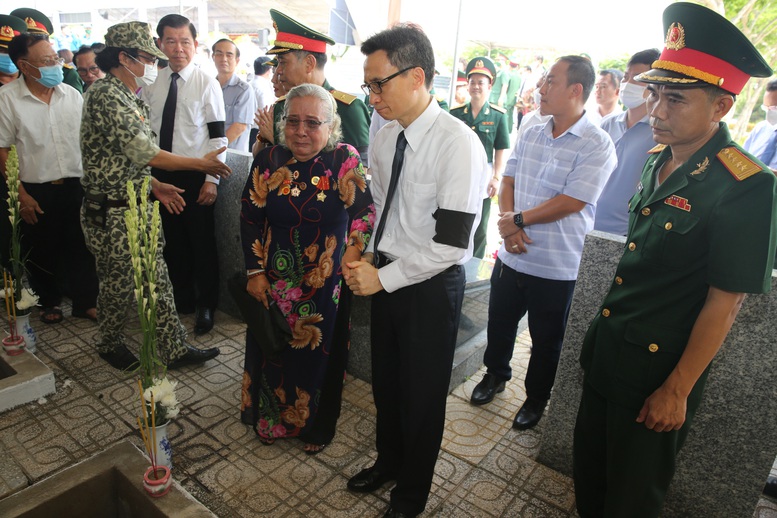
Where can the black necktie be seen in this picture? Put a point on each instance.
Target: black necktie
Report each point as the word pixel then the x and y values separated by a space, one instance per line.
pixel 768 152
pixel 396 169
pixel 168 115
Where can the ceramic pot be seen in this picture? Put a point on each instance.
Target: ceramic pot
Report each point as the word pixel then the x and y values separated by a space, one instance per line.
pixel 26 331
pixel 157 482
pixel 13 345
pixel 163 450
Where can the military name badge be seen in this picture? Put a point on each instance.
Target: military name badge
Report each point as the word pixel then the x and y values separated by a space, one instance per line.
pixel 678 202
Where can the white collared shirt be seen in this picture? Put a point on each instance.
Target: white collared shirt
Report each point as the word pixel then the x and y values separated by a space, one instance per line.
pixel 444 167
pixel 46 136
pixel 200 101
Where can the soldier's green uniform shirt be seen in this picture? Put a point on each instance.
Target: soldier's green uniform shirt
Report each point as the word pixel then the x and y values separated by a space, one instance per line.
pixel 116 139
pixel 354 116
pixel 71 77
pixel 703 226
pixel 497 85
pixel 490 126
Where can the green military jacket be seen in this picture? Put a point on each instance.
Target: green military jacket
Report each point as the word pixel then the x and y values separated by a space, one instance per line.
pixel 711 223
pixel 353 114
pixel 512 89
pixel 496 86
pixel 490 126
pixel 71 77
pixel 116 140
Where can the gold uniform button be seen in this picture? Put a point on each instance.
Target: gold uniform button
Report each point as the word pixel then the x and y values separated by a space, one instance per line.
pixel 605 312
pixel 632 246
pixel 653 348
pixel 668 225
pixel 646 211
pixel 618 280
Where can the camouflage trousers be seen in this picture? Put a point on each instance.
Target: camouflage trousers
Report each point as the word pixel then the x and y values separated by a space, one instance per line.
pixel 116 297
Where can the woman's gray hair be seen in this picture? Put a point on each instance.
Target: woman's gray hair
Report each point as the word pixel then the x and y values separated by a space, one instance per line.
pixel 330 107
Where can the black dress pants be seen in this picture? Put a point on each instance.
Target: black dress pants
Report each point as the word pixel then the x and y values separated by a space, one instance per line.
pixel 413 336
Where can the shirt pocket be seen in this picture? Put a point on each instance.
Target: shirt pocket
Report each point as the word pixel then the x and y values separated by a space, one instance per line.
pixel 648 354
pixel 420 202
pixel 554 178
pixel 192 113
pixel 672 239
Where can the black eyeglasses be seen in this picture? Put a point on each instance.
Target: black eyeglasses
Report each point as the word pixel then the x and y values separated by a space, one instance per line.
pixel 376 87
pixel 94 70
pixel 310 124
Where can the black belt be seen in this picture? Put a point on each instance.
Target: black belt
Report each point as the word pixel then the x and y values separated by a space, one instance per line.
pixel 116 203
pixel 385 261
pixel 60 181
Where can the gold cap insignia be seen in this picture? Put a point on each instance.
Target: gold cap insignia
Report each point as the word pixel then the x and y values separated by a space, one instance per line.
pixel 675 37
pixel 275 26
pixel 479 63
pixel 6 32
pixel 31 24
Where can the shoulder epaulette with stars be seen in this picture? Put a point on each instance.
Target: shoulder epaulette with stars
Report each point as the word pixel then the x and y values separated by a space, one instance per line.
pixel 497 108
pixel 459 107
pixel 657 149
pixel 343 97
pixel 737 163
pixel 281 98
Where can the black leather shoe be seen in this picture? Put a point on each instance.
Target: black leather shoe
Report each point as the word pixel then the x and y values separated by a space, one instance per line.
pixel 529 414
pixel 368 480
pixel 485 391
pixel 770 489
pixel 393 513
pixel 203 321
pixel 193 356
pixel 120 358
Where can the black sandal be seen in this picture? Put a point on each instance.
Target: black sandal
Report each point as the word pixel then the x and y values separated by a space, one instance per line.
pixel 46 315
pixel 321 447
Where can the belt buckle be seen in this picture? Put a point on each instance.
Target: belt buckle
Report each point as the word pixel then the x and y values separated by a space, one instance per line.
pixel 58 182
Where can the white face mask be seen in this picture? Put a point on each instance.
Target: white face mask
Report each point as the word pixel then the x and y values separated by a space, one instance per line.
pixel 771 117
pixel 537 97
pixel 631 95
pixel 149 74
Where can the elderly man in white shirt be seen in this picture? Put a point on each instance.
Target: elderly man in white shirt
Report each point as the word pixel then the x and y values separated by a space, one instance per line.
pixel 42 117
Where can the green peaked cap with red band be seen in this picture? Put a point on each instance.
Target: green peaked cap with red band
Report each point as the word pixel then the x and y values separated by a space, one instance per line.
pixel 10 26
pixel 292 35
pixel 702 47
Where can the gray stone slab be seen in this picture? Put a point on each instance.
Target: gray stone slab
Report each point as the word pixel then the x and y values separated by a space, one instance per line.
pixel 12 478
pixel 28 379
pixel 731 446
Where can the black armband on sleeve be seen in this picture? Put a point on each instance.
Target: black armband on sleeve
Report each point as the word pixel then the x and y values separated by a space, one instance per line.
pixel 216 129
pixel 453 228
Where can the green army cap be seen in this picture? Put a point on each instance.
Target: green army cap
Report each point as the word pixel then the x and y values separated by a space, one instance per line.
pixel 36 21
pixel 481 65
pixel 461 78
pixel 703 47
pixel 133 35
pixel 272 63
pixel 10 26
pixel 292 35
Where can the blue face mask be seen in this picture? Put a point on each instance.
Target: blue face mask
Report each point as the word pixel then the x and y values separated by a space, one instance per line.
pixel 50 76
pixel 6 65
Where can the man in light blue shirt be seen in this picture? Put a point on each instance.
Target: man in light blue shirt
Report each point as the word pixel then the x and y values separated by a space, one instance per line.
pixel 549 190
pixel 633 139
pixel 239 97
pixel 762 141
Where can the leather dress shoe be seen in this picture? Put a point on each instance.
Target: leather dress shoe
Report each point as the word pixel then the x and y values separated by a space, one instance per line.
pixel 770 489
pixel 485 391
pixel 368 480
pixel 193 356
pixel 203 321
pixel 393 513
pixel 529 414
pixel 120 358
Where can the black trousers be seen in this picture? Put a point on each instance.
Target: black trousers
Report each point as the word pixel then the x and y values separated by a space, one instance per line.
pixel 58 261
pixel 190 249
pixel 413 336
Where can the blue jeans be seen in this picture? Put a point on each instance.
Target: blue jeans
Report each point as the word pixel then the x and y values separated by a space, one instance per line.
pixel 547 302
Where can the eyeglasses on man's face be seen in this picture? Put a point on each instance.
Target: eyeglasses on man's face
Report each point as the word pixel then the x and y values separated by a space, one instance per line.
pixel 309 124
pixel 376 87
pixel 93 70
pixel 48 61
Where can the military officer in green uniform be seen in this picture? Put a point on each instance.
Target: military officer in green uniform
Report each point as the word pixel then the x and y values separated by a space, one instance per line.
pixel 39 23
pixel 701 235
pixel 301 55
pixel 513 87
pixel 490 123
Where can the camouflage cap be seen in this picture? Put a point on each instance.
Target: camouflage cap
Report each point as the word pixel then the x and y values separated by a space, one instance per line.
pixel 703 47
pixel 292 35
pixel 10 26
pixel 481 65
pixel 133 35
pixel 36 21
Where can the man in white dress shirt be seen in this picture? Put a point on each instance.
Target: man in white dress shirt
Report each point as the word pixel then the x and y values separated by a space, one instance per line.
pixel 423 238
pixel 197 128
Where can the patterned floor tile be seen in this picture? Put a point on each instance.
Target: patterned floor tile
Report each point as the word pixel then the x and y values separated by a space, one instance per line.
pixel 471 432
pixel 480 494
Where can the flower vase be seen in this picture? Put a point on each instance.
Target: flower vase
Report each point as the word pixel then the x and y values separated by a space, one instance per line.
pixel 163 450
pixel 26 331
pixel 13 345
pixel 157 481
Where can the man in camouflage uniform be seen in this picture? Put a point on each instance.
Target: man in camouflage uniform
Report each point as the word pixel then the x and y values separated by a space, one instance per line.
pixel 117 146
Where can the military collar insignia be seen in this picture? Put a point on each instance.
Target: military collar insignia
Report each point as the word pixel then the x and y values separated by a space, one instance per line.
pixel 700 168
pixel 657 149
pixel 675 37
pixel 678 202
pixel 737 163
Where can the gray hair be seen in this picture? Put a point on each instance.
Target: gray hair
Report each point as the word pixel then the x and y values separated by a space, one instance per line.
pixel 330 107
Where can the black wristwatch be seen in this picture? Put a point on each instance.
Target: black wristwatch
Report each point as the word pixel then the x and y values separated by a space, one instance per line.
pixel 518 219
